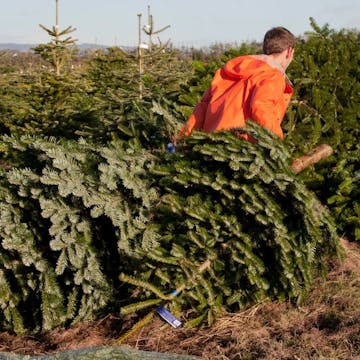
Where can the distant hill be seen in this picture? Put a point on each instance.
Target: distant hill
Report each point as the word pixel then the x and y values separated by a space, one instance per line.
pixel 17 47
pixel 27 47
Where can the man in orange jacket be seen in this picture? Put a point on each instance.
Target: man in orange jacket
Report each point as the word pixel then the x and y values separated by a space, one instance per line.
pixel 248 87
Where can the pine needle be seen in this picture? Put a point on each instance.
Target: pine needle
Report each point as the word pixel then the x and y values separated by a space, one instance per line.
pixel 136 327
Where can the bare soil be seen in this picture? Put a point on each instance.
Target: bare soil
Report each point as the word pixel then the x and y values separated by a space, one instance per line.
pixel 325 326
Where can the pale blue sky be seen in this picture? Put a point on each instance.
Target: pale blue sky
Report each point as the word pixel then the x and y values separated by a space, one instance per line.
pixel 192 22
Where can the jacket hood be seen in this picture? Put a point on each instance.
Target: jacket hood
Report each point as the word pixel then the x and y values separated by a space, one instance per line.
pixel 248 65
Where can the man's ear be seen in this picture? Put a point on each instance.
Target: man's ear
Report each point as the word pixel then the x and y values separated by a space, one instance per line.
pixel 289 52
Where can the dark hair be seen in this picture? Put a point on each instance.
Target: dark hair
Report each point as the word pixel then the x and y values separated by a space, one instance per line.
pixel 277 39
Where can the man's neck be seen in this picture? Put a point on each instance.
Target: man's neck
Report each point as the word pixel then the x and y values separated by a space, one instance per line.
pixel 280 60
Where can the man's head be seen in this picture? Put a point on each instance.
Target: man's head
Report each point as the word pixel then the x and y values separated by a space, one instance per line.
pixel 279 43
pixel 278 39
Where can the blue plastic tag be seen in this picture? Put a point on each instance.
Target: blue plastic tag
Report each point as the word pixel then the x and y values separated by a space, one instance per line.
pixel 170 147
pixel 168 316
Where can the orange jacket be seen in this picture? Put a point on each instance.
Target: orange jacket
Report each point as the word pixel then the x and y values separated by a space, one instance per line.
pixel 247 87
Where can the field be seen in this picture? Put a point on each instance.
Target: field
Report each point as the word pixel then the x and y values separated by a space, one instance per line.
pixel 98 222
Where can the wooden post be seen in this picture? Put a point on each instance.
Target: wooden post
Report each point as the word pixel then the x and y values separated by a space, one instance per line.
pixel 57 14
pixel 150 24
pixel 140 54
pixel 57 60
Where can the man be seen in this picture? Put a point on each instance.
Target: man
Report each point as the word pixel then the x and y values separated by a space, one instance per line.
pixel 248 87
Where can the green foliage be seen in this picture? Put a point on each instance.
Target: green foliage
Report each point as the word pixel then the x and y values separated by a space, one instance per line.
pixel 238 206
pixel 113 73
pixel 165 72
pixel 326 77
pixel 44 104
pixel 344 194
pixel 99 101
pixel 120 112
pixel 68 212
pixel 326 109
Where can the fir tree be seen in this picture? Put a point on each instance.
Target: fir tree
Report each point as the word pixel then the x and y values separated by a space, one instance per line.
pixel 59 51
pixel 67 219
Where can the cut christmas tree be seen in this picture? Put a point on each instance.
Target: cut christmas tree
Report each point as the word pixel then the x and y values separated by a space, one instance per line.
pixel 233 226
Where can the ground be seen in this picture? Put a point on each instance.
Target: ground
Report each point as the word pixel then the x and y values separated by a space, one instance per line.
pixel 325 326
